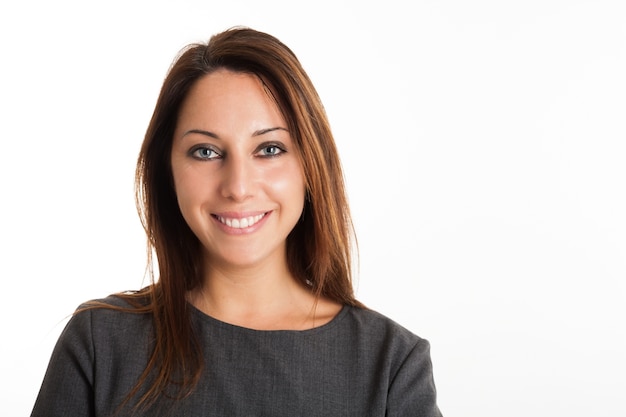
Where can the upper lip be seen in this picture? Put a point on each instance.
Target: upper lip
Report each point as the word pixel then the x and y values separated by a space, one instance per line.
pixel 239 214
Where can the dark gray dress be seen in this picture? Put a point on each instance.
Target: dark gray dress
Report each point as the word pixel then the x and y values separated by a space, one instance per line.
pixel 359 364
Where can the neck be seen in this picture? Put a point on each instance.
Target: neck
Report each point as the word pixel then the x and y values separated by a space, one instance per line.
pixel 262 297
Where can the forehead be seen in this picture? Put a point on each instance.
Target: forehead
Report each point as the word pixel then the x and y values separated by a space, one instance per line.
pixel 224 95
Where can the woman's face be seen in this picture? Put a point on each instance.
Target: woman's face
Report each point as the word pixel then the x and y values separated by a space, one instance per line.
pixel 238 179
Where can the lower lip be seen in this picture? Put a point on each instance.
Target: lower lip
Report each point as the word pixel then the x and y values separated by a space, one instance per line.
pixel 243 231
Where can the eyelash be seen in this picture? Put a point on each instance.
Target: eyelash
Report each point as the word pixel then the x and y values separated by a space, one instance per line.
pixel 195 152
pixel 280 150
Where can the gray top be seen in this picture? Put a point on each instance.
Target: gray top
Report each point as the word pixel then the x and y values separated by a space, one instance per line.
pixel 359 364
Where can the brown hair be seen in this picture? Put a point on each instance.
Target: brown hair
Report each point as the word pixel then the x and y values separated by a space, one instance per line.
pixel 319 247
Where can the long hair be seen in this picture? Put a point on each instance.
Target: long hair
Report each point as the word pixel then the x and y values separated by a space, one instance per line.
pixel 320 246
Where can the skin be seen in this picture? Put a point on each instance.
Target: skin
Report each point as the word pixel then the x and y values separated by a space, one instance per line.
pixel 240 188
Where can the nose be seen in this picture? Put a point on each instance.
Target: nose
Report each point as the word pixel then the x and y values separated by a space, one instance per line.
pixel 237 181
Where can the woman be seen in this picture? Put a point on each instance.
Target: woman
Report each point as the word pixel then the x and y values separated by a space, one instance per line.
pixel 241 195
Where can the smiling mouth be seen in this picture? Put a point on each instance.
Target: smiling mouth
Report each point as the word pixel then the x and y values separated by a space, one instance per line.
pixel 241 223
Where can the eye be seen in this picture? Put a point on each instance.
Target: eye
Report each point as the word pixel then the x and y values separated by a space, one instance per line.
pixel 270 150
pixel 204 153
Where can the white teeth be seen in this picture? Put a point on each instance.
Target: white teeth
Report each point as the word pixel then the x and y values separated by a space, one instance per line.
pixel 241 223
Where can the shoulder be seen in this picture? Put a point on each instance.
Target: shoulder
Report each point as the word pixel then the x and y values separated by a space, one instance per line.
pixel 114 305
pixel 378 325
pixel 109 318
pixel 375 331
pixel 403 361
pixel 98 357
pixel 120 301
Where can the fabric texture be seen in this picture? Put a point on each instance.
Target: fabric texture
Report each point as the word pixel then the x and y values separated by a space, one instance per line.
pixel 359 364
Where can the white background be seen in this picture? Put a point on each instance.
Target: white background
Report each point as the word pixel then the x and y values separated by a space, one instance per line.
pixel 484 144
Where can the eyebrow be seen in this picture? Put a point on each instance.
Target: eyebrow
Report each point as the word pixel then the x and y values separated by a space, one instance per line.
pixel 215 136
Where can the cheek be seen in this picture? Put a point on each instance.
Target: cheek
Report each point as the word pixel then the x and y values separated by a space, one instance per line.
pixel 288 182
pixel 189 189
